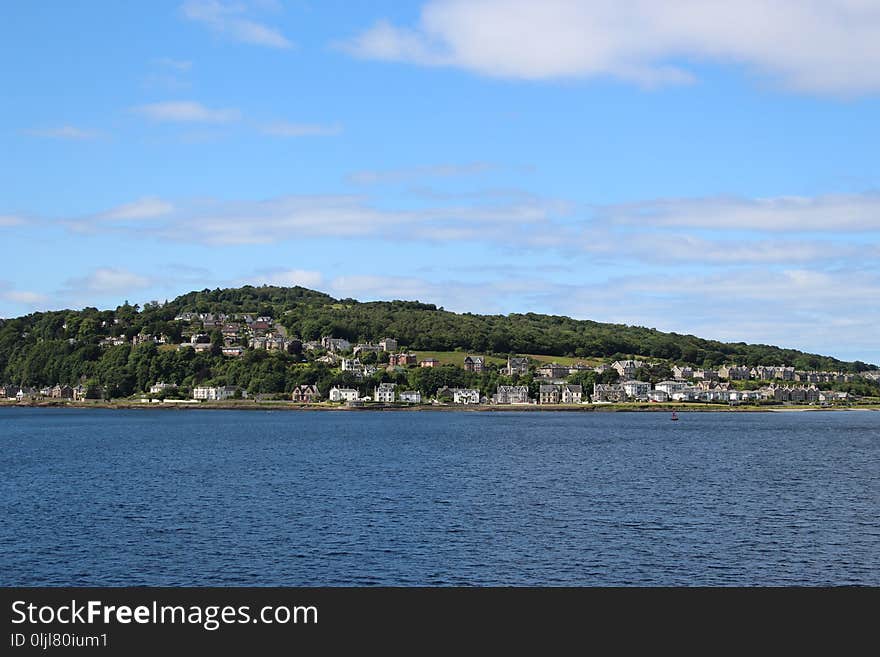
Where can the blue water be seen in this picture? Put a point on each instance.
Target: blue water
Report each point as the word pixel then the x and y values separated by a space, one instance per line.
pixel 99 497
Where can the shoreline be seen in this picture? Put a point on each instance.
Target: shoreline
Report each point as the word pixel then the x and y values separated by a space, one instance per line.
pixel 632 407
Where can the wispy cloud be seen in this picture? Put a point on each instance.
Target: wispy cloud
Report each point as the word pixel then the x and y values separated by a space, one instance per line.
pixel 186 111
pixel 169 74
pixel 377 176
pixel 285 277
pixel 25 298
pixel 179 65
pixel 830 47
pixel 107 280
pixel 286 129
pixel 11 220
pixel 231 20
pixel 831 213
pixel 148 207
pixel 67 132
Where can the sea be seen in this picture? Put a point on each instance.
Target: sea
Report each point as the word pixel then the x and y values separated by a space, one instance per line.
pixel 99 497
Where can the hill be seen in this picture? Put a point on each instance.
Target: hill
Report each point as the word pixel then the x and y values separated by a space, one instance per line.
pixel 68 346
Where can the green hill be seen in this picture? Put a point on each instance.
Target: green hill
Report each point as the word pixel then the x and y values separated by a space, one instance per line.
pixel 45 348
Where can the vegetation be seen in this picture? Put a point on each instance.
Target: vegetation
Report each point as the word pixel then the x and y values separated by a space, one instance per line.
pixel 64 346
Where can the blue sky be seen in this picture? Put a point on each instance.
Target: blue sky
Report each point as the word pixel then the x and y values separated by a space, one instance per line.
pixel 706 168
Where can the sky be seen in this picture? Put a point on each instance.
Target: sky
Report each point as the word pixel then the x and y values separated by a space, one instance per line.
pixel 703 167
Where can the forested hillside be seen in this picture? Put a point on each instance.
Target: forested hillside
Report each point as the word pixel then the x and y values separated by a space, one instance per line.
pixel 66 346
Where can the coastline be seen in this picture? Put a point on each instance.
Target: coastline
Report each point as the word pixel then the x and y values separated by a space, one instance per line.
pixel 249 405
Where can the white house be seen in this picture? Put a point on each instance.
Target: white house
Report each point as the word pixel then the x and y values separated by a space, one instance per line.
pixel 156 388
pixel 214 394
pixel 411 396
pixel 343 394
pixel 384 392
pixel 465 396
pixel 351 365
pixel 658 395
pixel 670 387
pixel 636 389
pixel 572 394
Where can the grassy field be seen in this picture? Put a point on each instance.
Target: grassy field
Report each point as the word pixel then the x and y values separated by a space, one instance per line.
pixel 456 357
pixel 565 360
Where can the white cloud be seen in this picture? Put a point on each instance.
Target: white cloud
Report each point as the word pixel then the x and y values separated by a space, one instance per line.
pixel 831 213
pixel 297 217
pixel 187 111
pixel 285 129
pixel 417 172
pixel 107 280
pixel 148 207
pixel 230 19
pixel 10 220
pixel 813 46
pixel 68 132
pixel 286 278
pixel 23 297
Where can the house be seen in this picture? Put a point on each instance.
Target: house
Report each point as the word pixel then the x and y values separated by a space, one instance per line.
pixel 365 347
pixel 511 395
pixel 670 387
pixel 627 368
pixel 343 394
pixel 706 375
pixel 8 392
pixel 259 328
pixel 388 344
pixel 351 365
pixel 572 394
pixel 230 330
pixel 25 392
pixel 781 393
pixel 159 387
pixel 734 372
pixel 553 371
pixel 658 396
pixel 548 394
pixel 384 392
pixel 763 373
pixel 305 393
pixel 80 392
pixel 411 396
pixel 208 393
pixel 637 390
pixel 401 360
pixel 516 365
pixel 335 344
pixel 686 394
pixel 232 351
pixel 608 392
pixel 682 372
pixel 473 364
pixel 465 396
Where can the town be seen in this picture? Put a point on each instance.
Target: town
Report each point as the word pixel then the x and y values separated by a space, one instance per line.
pixel 375 373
